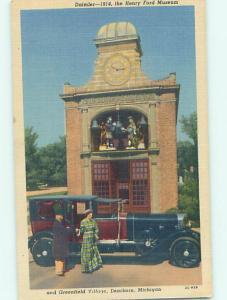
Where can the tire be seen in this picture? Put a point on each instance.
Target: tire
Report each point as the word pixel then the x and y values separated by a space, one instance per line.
pixel 42 252
pixel 185 253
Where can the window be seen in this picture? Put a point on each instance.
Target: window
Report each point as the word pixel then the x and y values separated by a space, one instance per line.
pixel 45 210
pixel 101 178
pixel 139 183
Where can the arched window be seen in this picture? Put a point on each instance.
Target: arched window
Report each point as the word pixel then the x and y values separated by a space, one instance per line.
pixel 119 130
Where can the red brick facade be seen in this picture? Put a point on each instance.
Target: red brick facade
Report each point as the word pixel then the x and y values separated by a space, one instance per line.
pixel 132 92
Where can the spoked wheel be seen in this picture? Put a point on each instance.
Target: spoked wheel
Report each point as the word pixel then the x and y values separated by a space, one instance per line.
pixel 185 253
pixel 42 252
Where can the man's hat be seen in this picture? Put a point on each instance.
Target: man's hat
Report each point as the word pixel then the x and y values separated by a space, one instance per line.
pixel 58 210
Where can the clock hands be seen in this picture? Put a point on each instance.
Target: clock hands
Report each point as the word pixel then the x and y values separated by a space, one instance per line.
pixel 116 68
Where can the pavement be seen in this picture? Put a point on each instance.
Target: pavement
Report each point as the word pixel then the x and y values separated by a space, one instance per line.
pixel 118 271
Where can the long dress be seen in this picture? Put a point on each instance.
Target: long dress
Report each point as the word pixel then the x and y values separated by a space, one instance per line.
pixel 90 257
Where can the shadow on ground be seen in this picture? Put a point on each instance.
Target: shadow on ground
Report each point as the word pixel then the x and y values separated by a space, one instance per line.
pixel 118 260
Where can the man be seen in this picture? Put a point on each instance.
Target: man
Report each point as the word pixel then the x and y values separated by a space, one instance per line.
pixel 60 242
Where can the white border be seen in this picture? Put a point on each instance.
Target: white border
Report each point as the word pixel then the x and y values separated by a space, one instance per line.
pixel 217 66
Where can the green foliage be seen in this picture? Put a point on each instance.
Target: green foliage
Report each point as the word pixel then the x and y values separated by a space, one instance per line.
pixel 187 151
pixel 189 198
pixel 53 163
pixel 184 156
pixel 189 126
pixel 187 157
pixel 45 165
pixel 32 159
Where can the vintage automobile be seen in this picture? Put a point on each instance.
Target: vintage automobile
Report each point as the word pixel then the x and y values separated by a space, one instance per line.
pixel 159 235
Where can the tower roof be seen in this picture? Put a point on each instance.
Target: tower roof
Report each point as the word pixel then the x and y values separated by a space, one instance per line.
pixel 117 31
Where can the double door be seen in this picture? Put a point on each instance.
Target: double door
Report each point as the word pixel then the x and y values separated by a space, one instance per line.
pixel 125 179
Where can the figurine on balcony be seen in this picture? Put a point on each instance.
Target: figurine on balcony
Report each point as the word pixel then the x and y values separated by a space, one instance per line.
pixel 120 136
pixel 140 137
pixel 103 137
pixel 109 133
pixel 132 133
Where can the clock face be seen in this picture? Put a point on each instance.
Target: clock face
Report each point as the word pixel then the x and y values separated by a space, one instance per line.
pixel 117 70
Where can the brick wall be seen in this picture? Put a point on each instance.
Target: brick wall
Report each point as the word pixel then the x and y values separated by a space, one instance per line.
pixel 167 160
pixel 73 144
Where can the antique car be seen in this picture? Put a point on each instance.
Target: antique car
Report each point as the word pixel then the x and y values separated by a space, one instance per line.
pixel 159 235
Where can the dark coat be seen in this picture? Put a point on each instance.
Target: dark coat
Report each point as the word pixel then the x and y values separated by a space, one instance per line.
pixel 61 241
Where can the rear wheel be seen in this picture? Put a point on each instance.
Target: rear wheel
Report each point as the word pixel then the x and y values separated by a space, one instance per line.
pixel 185 253
pixel 42 252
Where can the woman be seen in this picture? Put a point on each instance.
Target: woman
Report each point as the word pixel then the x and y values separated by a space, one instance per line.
pixel 60 243
pixel 90 257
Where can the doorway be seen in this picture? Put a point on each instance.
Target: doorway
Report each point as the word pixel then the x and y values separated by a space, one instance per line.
pixel 121 171
pixel 125 179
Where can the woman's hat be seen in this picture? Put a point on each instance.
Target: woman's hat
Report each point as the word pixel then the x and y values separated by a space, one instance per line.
pixel 88 211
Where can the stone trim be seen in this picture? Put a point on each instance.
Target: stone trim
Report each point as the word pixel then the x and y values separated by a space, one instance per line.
pixel 111 102
pixel 133 154
pixel 157 90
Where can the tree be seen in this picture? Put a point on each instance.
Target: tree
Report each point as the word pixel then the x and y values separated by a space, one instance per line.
pixel 189 198
pixel 44 165
pixel 53 163
pixel 189 126
pixel 187 157
pixel 187 151
pixel 32 159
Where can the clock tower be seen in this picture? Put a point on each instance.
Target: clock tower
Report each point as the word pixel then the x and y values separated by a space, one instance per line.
pixel 121 127
pixel 118 62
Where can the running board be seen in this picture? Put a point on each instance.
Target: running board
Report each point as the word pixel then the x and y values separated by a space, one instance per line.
pixel 115 242
pixel 115 246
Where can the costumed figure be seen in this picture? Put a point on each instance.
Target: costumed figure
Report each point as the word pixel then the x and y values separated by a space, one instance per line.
pixel 60 242
pixel 120 135
pixel 103 137
pixel 132 133
pixel 140 136
pixel 109 131
pixel 90 257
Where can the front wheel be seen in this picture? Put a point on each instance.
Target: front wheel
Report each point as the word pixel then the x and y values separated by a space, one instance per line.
pixel 185 253
pixel 42 252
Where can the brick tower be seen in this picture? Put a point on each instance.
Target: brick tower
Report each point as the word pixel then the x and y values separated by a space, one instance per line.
pixel 121 127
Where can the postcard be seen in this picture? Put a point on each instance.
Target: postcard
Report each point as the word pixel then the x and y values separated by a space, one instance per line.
pixel 111 149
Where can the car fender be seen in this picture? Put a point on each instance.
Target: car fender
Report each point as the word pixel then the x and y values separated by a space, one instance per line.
pixel 164 244
pixel 184 238
pixel 184 233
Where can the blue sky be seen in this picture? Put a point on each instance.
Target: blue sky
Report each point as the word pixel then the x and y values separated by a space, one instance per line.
pixel 58 47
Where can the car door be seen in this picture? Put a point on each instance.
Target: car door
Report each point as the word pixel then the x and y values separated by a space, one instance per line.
pixel 108 227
